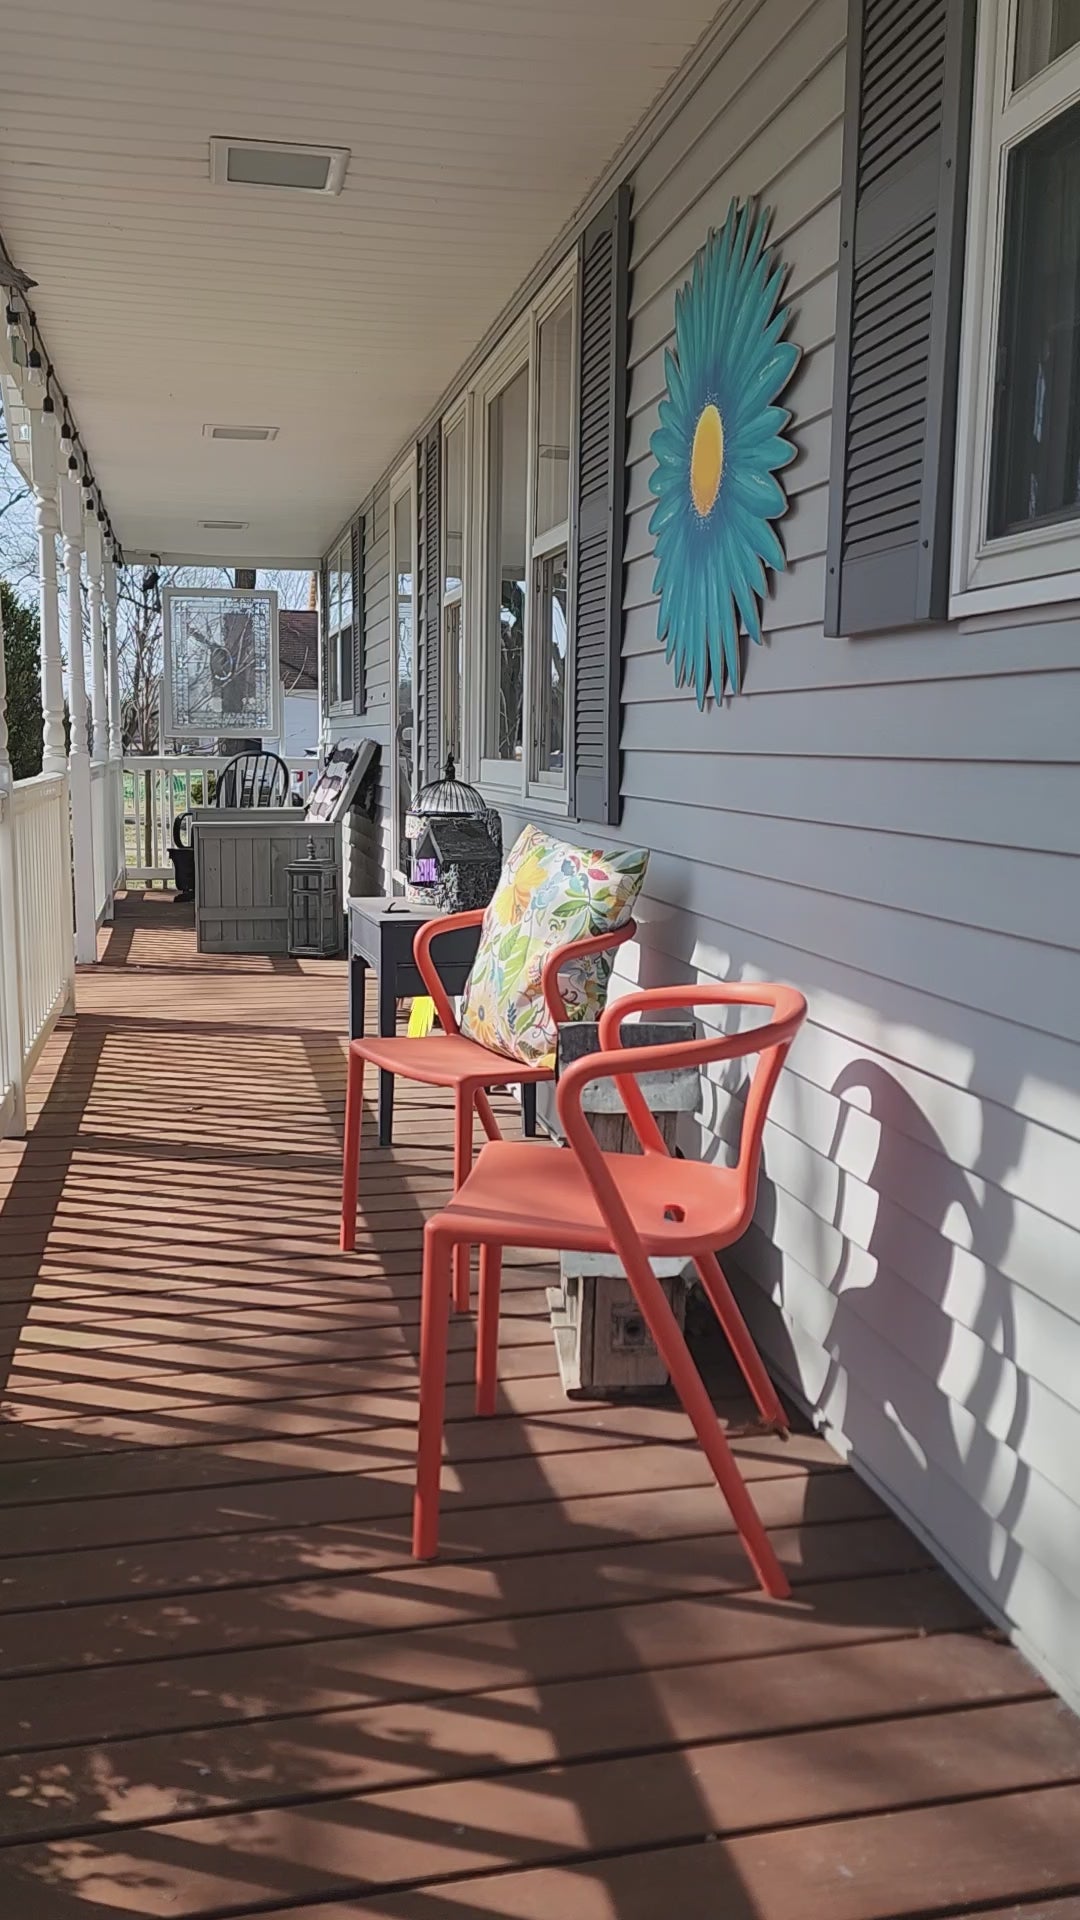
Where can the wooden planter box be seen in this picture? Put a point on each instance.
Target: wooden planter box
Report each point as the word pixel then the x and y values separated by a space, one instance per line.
pixel 601 1340
pixel 242 857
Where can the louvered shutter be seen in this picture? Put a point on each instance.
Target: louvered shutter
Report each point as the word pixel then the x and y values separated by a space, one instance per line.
pixel 324 642
pixel 601 494
pixel 907 135
pixel 429 736
pixel 359 661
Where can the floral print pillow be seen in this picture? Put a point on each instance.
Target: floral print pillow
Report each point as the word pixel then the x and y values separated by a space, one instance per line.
pixel 549 893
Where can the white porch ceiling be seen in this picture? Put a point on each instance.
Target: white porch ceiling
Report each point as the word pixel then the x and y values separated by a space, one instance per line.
pixel 476 128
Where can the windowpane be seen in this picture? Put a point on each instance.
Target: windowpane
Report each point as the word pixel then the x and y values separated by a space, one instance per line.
pixel 406 729
pixel 550 678
pixel 508 421
pixel 346 582
pixel 1035 462
pixel 454 506
pixel 345 678
pixel 451 679
pixel 553 419
pixel 1045 29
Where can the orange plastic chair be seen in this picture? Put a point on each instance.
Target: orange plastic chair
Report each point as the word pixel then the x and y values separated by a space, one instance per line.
pixel 521 1194
pixel 451 1059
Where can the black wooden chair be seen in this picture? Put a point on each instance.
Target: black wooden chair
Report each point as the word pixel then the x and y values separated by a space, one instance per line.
pixel 249 780
pixel 254 780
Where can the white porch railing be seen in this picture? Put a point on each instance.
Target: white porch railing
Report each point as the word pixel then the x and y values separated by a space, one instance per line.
pixel 37 962
pixel 158 788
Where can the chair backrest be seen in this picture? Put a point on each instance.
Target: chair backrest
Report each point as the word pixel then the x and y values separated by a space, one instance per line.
pixel 254 780
pixel 769 1042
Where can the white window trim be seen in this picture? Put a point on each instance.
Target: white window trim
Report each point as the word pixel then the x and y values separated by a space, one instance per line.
pixel 342 547
pixel 1040 566
pixel 402 483
pixel 510 782
pixel 459 415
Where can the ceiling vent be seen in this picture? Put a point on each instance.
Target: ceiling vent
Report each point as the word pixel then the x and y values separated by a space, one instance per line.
pixel 272 163
pixel 224 526
pixel 212 432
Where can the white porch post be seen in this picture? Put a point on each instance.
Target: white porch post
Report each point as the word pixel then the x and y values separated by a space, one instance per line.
pixel 118 860
pixel 82 838
pixel 43 469
pixel 10 1003
pixel 95 561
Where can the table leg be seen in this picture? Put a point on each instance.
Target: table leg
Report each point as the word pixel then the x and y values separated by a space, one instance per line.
pixel 357 984
pixel 528 1109
pixel 387 1028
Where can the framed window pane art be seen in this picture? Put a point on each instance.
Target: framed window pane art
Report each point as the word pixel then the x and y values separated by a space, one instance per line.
pixel 220 663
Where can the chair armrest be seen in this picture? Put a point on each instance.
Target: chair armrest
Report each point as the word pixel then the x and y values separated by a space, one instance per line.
pixel 577 950
pixel 425 963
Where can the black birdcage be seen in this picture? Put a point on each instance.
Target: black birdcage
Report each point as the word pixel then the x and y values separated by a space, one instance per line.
pixel 455 845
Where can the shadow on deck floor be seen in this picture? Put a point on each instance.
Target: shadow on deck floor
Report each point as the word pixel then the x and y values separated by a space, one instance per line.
pixel 225 1687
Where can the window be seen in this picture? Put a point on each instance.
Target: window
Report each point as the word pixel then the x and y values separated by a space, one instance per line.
pixel 526 422
pixel 508 467
pixel 339 633
pixel 1018 522
pixel 551 544
pixel 453 586
pixel 403 576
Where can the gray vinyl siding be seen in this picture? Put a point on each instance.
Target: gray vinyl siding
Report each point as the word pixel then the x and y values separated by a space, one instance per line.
pixel 893 824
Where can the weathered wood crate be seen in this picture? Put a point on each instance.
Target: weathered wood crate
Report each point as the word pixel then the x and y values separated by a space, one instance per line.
pixel 601 1339
pixel 242 858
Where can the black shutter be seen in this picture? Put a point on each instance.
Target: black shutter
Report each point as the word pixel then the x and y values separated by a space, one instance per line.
pixel 597 564
pixel 910 67
pixel 359 652
pixel 324 643
pixel 429 558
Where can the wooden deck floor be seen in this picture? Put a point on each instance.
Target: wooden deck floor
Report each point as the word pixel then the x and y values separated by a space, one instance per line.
pixel 226 1690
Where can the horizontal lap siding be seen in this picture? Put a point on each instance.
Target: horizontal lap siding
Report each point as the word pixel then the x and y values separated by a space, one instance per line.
pixel 894 825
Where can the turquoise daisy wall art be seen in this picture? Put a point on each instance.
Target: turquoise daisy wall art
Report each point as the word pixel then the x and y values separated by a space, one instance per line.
pixel 718 449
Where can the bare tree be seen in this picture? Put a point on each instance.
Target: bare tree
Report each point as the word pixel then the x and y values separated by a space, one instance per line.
pixel 18 542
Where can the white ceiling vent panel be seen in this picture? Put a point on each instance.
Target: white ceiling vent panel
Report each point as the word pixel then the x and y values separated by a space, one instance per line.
pixel 270 163
pixel 211 431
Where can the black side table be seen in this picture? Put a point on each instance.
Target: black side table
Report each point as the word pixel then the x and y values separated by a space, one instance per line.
pixel 381 934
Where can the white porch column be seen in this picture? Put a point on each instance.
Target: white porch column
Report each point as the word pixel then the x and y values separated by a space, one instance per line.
pixel 95 561
pixel 116 725
pixel 10 1002
pixel 116 730
pixel 43 469
pixel 82 838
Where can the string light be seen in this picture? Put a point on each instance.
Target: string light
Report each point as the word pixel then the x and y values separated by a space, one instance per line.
pixel 35 371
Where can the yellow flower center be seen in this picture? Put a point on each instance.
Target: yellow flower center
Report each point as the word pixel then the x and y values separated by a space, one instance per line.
pixel 707 460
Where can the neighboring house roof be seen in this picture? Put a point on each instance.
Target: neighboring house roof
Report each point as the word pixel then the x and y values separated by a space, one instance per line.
pixel 298 650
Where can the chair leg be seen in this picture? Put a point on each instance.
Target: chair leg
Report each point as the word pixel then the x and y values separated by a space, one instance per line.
pixel 487 1329
pixel 740 1341
pixel 350 1172
pixel 434 1335
pixel 487 1118
pixel 463 1150
pixel 690 1388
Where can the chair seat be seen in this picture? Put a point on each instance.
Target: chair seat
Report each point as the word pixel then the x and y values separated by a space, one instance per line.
pixel 445 1060
pixel 524 1195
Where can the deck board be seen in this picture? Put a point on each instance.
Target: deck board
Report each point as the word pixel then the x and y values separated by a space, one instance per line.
pixel 225 1688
